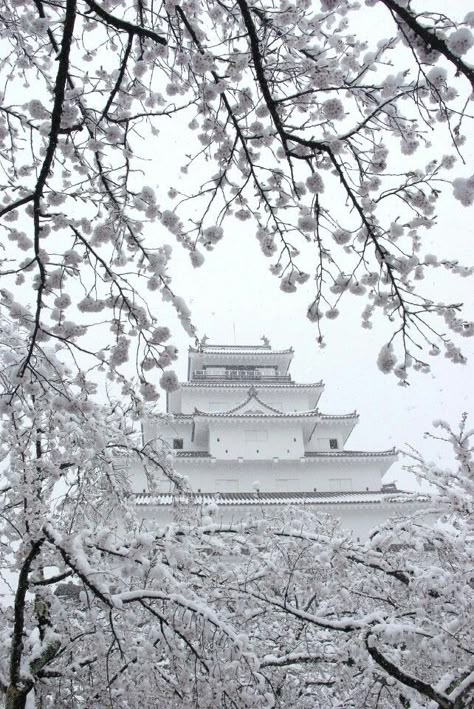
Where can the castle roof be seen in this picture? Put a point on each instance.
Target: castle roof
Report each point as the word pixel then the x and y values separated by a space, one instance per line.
pixel 331 456
pixel 263 410
pixel 240 349
pixel 335 456
pixel 205 355
pixel 254 414
pixel 231 499
pixel 240 408
pixel 262 384
pixel 349 455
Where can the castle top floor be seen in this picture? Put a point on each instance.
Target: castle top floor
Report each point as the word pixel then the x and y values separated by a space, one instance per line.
pixel 239 362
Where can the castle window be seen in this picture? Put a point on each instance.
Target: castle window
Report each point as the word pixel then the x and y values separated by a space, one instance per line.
pixel 333 444
pixel 178 444
pixel 242 373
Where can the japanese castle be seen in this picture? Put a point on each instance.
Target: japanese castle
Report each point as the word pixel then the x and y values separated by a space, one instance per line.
pixel 245 435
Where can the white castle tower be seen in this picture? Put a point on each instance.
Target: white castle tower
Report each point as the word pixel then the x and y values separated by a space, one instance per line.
pixel 244 434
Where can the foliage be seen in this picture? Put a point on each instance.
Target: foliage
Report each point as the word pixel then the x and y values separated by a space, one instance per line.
pixel 293 109
pixel 270 612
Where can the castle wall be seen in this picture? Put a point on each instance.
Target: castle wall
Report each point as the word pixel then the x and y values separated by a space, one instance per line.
pixel 267 476
pixel 360 519
pixel 319 437
pixel 255 440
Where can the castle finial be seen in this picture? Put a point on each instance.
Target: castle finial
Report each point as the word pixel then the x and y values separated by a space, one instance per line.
pixel 265 341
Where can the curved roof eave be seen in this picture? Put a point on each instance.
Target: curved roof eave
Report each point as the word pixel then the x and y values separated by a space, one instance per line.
pixel 259 383
pixel 281 499
pixel 240 350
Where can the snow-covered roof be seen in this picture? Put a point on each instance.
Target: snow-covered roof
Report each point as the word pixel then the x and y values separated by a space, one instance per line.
pixel 192 454
pixel 230 355
pixel 239 350
pixel 252 397
pixel 279 498
pixel 264 410
pixel 262 384
pixel 333 455
pixel 313 413
pixel 338 417
pixel 338 454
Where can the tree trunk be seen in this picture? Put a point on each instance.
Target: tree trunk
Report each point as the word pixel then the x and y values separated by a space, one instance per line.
pixel 15 698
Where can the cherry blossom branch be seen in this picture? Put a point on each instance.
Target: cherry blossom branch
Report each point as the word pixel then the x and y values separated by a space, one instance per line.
pixel 59 92
pixel 431 39
pixel 408 680
pixel 15 205
pixel 124 25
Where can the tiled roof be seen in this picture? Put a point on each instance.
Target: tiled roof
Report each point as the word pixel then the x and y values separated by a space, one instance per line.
pixel 279 498
pixel 269 411
pixel 192 454
pixel 290 414
pixel 350 454
pixel 224 384
pixel 240 349
pixel 252 395
pixel 233 413
pixel 333 455
pixel 328 417
pixel 263 414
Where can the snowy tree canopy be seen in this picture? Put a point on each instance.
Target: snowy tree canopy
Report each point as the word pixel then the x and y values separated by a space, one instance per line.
pixel 332 142
pixel 280 612
pixel 294 118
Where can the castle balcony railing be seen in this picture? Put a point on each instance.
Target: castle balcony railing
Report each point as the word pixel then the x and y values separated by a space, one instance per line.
pixel 241 376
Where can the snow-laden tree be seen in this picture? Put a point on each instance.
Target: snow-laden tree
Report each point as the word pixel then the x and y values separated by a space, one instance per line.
pixel 95 611
pixel 272 612
pixel 329 128
pixel 383 624
pixel 299 115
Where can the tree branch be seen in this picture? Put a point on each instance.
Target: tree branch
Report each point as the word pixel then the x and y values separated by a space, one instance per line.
pixel 123 25
pixel 431 39
pixel 422 687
